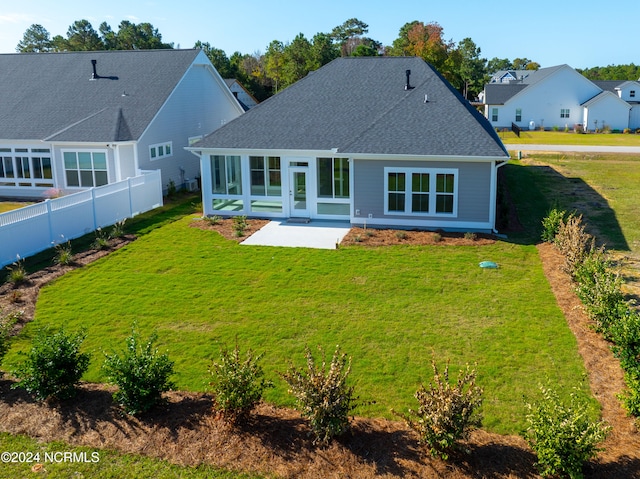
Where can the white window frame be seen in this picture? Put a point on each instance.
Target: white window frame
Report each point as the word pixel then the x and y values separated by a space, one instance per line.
pixel 432 172
pixel 565 113
pixel 518 115
pixel 24 162
pixel 93 170
pixel 266 172
pixel 154 150
pixel 494 114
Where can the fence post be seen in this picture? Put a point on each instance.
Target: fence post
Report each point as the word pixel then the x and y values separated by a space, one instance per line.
pixel 93 207
pixel 47 203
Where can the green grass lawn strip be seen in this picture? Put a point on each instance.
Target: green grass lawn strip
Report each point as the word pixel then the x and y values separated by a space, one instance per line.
pixel 389 308
pixel 96 463
pixel 569 138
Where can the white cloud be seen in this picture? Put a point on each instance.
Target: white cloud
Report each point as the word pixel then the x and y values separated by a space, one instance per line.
pixel 15 18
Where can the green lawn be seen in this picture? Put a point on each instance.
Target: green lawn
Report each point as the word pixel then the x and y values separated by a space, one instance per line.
pixel 12 205
pixel 570 138
pixel 94 463
pixel 604 188
pixel 388 308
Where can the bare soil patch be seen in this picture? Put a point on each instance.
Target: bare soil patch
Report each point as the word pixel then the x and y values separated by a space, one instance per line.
pixel 185 430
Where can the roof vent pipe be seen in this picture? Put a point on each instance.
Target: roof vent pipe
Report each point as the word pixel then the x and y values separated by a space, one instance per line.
pixel 408 85
pixel 94 75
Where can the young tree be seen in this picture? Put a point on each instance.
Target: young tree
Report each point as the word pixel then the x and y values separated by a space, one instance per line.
pixel 350 29
pixel 274 63
pixel 36 39
pixel 472 68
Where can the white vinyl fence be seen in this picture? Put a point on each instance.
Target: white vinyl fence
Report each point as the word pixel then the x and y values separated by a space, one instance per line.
pixel 29 230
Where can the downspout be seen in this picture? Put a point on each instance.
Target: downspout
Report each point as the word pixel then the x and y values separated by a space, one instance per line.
pixel 495 199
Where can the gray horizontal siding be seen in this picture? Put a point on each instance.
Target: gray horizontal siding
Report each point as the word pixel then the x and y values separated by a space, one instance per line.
pixel 474 181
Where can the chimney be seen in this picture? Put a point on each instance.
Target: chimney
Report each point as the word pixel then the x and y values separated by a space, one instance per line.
pixel 94 75
pixel 408 85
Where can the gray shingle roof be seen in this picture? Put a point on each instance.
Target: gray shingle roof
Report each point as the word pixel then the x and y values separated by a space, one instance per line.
pixel 360 105
pixel 499 93
pixel 51 95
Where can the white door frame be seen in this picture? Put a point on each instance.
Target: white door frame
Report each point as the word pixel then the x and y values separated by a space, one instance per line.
pixel 295 209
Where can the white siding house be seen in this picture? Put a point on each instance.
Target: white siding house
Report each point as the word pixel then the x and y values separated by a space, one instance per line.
pixel 71 121
pixel 558 97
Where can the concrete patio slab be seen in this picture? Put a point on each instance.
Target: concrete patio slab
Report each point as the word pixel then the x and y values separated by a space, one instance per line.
pixel 316 234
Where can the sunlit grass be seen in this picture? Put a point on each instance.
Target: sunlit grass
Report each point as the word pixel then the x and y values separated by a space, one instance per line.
pixel 389 308
pixel 569 138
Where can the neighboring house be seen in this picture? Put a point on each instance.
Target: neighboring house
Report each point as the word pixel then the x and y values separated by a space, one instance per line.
pixel 71 121
pixel 561 97
pixel 246 99
pixel 508 76
pixel 382 141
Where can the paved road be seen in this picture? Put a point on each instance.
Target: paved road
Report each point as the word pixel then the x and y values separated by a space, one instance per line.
pixel 578 148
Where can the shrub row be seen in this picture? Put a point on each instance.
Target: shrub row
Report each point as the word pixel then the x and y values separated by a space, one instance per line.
pixel 599 288
pixel 562 436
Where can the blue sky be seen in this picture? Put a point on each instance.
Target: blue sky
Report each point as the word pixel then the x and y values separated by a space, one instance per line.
pixel 582 34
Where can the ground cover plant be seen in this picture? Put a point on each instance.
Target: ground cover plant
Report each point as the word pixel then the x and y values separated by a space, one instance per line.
pixel 389 307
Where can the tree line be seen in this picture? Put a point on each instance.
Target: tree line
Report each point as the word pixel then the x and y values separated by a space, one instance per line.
pixel 284 63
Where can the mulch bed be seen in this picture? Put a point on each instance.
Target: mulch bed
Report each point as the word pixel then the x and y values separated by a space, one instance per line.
pixel 187 431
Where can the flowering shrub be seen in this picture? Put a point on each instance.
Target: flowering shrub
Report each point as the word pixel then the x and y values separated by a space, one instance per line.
pixel 446 413
pixel 323 395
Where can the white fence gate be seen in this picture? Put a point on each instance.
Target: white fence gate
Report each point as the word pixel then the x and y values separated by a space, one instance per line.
pixel 29 230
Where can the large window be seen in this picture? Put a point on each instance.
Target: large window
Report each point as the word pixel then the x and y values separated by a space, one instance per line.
pixel 266 178
pixel 420 191
pixel 226 175
pixel 333 187
pixel 26 167
pixel 85 169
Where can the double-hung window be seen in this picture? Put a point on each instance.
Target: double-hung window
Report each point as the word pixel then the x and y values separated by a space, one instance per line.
pixel 565 113
pixel 518 115
pixel 421 191
pixel 494 114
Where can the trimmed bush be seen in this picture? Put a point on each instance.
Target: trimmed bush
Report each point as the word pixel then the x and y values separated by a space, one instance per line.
pixel 54 365
pixel 551 224
pixel 140 372
pixel 323 395
pixel 446 413
pixel 631 397
pixel 625 334
pixel 563 437
pixel 237 384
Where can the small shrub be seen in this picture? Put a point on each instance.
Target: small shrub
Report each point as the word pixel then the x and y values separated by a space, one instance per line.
pixel 555 128
pixel 626 131
pixel 357 239
pixel 625 334
pixel 53 366
pixel 563 437
pixel 117 231
pixel 470 236
pixel 101 240
pixel 237 384
pixel 437 237
pixel 323 395
pixel 446 414
pixel 573 242
pixel 599 289
pixel 631 397
pixel 551 224
pixel 239 225
pixel 401 235
pixel 63 254
pixel 6 323
pixel 140 372
pixel 15 296
pixel 171 189
pixel 212 220
pixel 17 272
